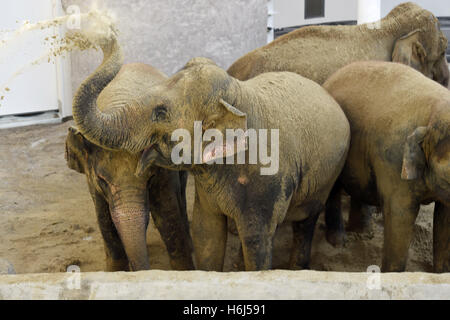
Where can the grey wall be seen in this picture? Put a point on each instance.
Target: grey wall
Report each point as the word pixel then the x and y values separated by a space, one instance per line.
pixel 167 33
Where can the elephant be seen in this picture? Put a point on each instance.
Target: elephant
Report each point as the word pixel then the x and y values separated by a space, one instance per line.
pixel 309 123
pixel 399 155
pixel 122 200
pixel 408 34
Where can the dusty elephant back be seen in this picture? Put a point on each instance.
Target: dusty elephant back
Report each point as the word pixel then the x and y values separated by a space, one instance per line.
pixel 315 52
pixel 133 80
pixel 383 96
pixel 286 99
pixel 384 103
pixel 309 120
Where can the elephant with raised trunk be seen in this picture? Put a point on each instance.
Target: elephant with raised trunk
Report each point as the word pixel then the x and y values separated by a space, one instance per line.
pixel 408 34
pixel 123 202
pixel 313 142
pixel 399 155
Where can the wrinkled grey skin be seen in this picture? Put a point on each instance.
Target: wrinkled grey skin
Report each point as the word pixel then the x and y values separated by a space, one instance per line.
pixel 122 200
pixel 408 35
pixel 310 123
pixel 399 155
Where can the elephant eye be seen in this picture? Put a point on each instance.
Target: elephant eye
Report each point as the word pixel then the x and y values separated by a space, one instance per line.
pixel 159 113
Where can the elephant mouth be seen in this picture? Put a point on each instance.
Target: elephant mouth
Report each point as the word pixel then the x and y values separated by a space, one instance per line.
pixel 148 158
pixel 153 156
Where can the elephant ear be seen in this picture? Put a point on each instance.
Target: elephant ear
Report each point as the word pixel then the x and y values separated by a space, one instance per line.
pixel 75 150
pixel 227 118
pixel 441 72
pixel 414 160
pixel 408 50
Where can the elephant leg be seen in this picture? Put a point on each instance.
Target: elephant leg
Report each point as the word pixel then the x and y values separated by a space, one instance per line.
pixel 168 210
pixel 209 235
pixel 399 218
pixel 183 176
pixel 240 262
pixel 257 251
pixel 359 217
pixel 303 232
pixel 239 265
pixel 441 238
pixel 232 226
pixel 116 258
pixel 256 239
pixel 335 231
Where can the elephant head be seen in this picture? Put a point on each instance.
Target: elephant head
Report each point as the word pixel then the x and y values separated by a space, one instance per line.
pixel 441 72
pixel 427 156
pixel 194 100
pixel 201 91
pixel 121 198
pixel 424 50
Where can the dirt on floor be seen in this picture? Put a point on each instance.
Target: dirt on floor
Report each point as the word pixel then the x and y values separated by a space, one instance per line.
pixel 47 218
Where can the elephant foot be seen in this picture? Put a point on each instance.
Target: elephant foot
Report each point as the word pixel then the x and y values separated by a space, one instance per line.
pixel 117 265
pixel 239 264
pixel 359 228
pixel 336 238
pixel 444 268
pixel 360 218
pixel 182 263
pixel 296 266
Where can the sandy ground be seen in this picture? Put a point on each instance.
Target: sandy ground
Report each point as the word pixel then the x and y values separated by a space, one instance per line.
pixel 47 219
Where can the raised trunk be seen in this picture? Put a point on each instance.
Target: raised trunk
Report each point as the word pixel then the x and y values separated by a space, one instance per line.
pixel 102 128
pixel 131 221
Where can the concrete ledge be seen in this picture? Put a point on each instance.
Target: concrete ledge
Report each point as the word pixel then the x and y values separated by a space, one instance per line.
pixel 277 284
pixel 14 121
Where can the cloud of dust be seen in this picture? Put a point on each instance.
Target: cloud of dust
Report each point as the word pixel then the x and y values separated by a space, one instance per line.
pixel 96 28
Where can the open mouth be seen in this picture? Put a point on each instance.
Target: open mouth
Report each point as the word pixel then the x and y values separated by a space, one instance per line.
pixel 148 158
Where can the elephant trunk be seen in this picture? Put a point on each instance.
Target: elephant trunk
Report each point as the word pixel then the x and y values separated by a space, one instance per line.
pixel 131 221
pixel 441 72
pixel 107 128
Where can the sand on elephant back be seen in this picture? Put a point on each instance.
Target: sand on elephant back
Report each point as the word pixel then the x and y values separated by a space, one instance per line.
pixel 47 218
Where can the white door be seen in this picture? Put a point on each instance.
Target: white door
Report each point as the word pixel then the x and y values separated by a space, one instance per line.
pixel 26 88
